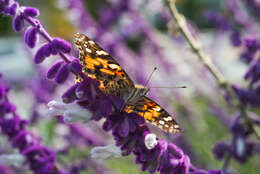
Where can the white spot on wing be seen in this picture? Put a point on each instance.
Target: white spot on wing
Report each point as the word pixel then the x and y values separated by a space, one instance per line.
pixel 88 50
pixel 169 118
pixel 113 66
pixel 101 52
pixel 161 122
pixel 91 42
pixel 157 108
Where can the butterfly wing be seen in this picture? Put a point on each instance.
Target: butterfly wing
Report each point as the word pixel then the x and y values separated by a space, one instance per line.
pixel 98 64
pixel 154 114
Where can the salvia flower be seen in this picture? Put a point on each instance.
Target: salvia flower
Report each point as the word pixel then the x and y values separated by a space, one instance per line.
pixel 71 112
pixel 253 73
pixel 18 23
pixel 251 97
pixel 62 73
pixel 254 5
pixel 43 52
pixel 61 45
pixel 251 46
pixel 240 147
pixel 54 69
pixel 31 12
pixel 40 158
pixel 150 141
pixel 221 149
pixel 70 95
pixel 217 20
pixel 235 38
pixel 75 67
pixel 129 129
pixel 104 152
pixel 30 37
pixel 53 46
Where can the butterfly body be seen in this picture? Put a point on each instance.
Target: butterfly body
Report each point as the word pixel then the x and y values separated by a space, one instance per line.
pixel 98 64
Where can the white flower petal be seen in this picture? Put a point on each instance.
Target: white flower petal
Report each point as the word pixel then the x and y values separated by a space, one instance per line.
pixel 104 152
pixel 72 112
pixel 150 141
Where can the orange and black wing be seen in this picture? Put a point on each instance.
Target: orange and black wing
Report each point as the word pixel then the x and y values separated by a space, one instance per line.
pixel 154 114
pixel 98 64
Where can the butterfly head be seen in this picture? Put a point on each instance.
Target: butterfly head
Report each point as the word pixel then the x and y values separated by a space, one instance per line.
pixel 141 90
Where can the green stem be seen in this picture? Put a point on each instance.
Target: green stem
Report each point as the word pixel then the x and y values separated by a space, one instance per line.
pixel 196 46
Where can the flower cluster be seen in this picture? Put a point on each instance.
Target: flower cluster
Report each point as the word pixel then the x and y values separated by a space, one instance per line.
pixel 225 23
pixel 251 46
pixel 254 5
pixel 217 20
pixel 250 95
pixel 128 129
pixel 61 69
pixel 40 158
pixel 240 148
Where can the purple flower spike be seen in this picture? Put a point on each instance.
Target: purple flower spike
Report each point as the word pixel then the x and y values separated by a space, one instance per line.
pixel 13 8
pixel 180 166
pixel 253 72
pixel 248 96
pixel 18 23
pixel 175 151
pixel 54 69
pixel 40 159
pixel 88 89
pixel 70 95
pixel 30 37
pixel 43 52
pixel 242 149
pixel 62 74
pixel 30 11
pixel 251 44
pixel 235 38
pixel 117 102
pixel 214 171
pixel 75 66
pixel 220 149
pixel 124 127
pixel 83 88
pixel 2 94
pixel 104 109
pixel 61 45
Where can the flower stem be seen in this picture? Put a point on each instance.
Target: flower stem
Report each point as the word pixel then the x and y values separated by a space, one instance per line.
pixel 196 46
pixel 226 163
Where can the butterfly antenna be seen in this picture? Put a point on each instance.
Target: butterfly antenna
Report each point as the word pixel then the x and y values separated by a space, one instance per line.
pixel 169 87
pixel 149 78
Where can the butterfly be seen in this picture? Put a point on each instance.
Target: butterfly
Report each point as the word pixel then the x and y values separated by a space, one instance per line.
pixel 98 64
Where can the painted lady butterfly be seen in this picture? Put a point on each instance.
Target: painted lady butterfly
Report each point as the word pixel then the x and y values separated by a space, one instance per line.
pixel 98 64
